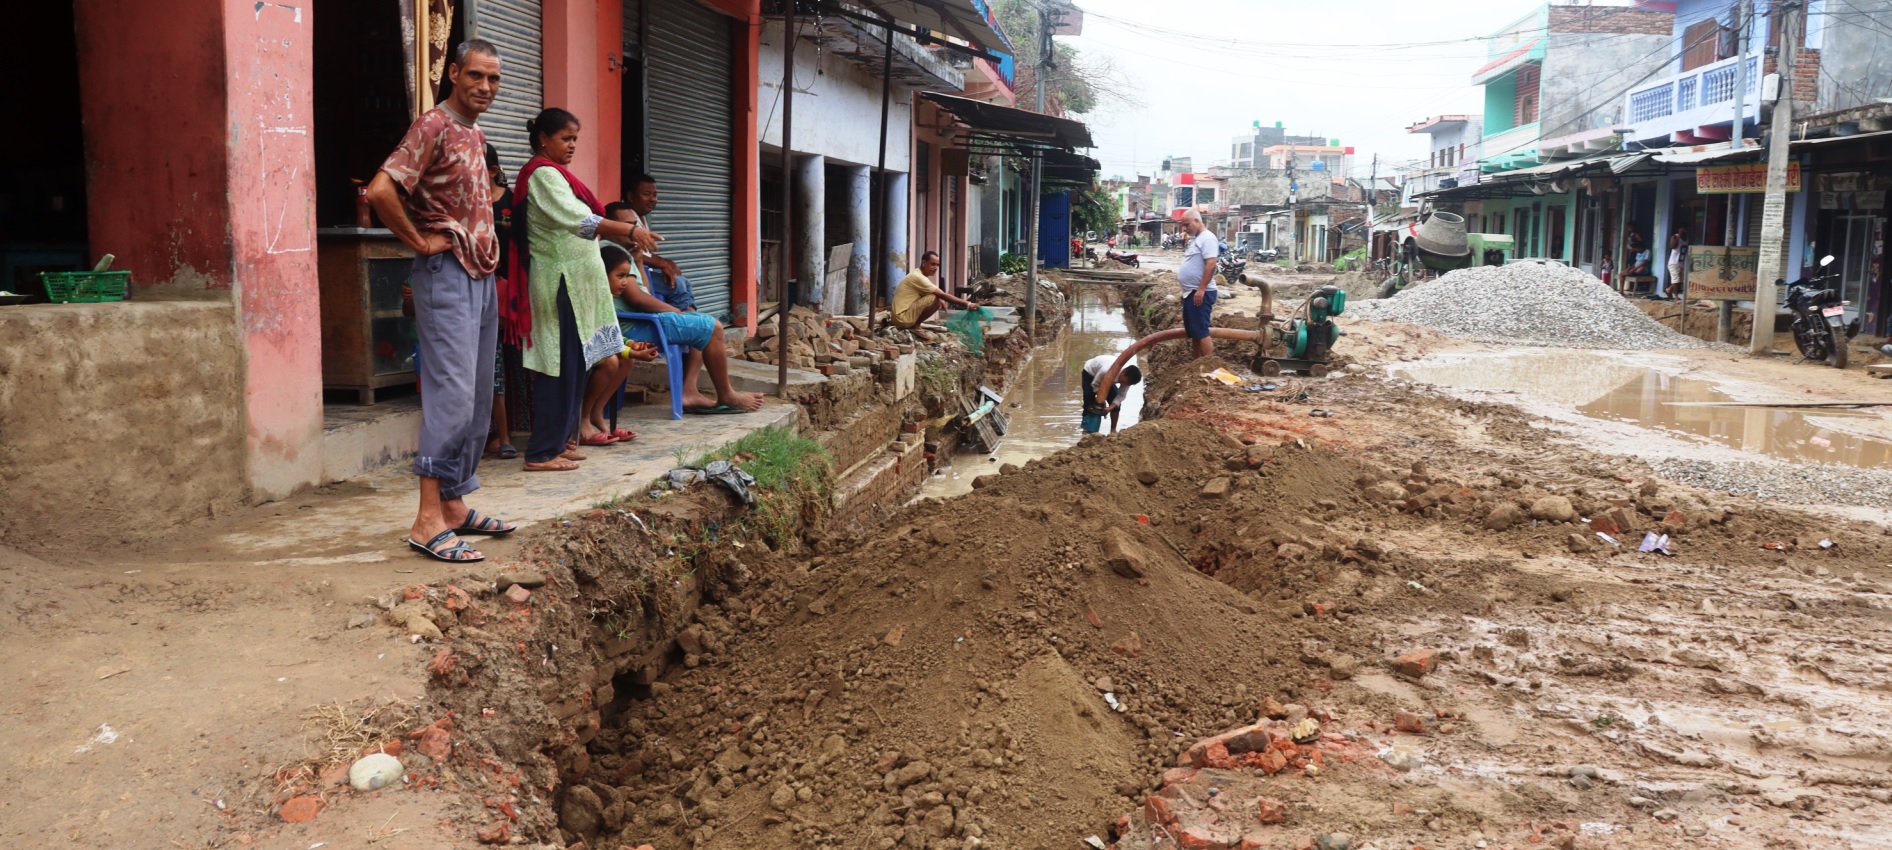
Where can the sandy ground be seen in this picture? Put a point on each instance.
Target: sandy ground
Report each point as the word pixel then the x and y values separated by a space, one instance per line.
pixel 941 682
pixel 143 687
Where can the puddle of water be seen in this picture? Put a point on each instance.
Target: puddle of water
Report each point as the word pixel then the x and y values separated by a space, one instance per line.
pixel 1050 414
pixel 1619 391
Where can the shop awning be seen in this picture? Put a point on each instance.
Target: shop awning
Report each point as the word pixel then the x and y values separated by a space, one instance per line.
pixel 1063 169
pixel 1006 127
pixel 1856 137
pixel 1693 155
pixel 961 19
pixel 1505 184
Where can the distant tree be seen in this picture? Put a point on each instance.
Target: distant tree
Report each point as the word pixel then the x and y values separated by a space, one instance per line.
pixel 1080 80
pixel 1094 208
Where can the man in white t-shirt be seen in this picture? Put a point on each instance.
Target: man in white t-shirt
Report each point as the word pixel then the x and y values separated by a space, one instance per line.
pixel 1112 404
pixel 1198 282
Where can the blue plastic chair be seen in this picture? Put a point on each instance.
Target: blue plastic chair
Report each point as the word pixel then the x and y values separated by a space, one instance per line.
pixel 673 355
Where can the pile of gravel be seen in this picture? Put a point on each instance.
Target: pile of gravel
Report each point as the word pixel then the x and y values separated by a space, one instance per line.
pixel 1796 483
pixel 1526 304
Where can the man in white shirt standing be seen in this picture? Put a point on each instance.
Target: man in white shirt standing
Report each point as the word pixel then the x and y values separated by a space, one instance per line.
pixel 1198 282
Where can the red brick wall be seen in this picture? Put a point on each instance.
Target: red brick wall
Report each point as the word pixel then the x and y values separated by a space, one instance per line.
pixel 1806 83
pixel 1525 107
pixel 1606 19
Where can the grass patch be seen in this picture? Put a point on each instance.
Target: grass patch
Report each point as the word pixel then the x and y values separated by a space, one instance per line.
pixel 793 477
pixel 937 377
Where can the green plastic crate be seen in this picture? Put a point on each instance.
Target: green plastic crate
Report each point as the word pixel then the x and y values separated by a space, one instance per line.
pixel 85 287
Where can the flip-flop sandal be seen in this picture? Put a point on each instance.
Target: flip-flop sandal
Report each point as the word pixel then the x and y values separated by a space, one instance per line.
pixel 718 409
pixel 458 553
pixel 506 452
pixel 624 435
pixel 598 439
pixel 475 523
pixel 553 465
pixel 573 455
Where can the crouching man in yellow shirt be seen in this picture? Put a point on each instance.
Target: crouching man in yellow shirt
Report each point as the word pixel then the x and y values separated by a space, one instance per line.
pixel 917 297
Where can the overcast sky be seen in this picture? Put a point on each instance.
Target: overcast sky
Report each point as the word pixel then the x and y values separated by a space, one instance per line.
pixel 1200 77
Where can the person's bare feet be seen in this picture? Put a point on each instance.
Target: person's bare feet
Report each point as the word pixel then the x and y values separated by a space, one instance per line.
pixel 742 400
pixel 696 398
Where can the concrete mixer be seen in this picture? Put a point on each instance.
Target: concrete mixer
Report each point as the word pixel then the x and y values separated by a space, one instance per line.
pixel 1437 243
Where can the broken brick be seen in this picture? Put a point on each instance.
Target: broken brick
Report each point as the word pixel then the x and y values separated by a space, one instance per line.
pixel 499 833
pixel 1416 663
pixel 300 809
pixel 1272 811
pixel 1407 721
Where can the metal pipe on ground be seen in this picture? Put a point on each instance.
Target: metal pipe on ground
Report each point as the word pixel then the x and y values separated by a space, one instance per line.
pixel 1110 377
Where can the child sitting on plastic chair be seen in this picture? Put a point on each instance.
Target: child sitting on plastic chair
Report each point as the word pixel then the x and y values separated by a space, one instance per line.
pixel 700 333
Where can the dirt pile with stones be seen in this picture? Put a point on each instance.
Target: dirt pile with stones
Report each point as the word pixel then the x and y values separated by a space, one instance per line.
pixel 1019 667
pixel 1526 304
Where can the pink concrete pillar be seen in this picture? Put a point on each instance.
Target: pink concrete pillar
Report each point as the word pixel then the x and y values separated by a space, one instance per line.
pixel 268 59
pixel 574 66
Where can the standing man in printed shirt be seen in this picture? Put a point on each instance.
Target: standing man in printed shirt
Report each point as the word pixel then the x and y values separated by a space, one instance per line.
pixel 1198 282
pixel 434 193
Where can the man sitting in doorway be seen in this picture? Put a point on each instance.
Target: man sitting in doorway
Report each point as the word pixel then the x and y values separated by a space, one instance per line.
pixel 659 274
pixel 917 297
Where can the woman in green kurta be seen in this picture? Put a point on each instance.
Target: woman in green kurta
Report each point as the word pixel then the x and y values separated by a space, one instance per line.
pixel 565 317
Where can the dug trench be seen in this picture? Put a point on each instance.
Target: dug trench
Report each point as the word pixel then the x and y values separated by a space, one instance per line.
pixel 1235 624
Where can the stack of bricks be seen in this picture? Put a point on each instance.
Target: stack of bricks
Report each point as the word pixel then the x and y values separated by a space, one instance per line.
pixel 828 344
pixel 861 437
pixel 879 487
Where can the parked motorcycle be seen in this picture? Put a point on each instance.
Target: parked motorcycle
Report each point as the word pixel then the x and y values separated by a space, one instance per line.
pixel 1265 255
pixel 1125 257
pixel 1231 266
pixel 1820 329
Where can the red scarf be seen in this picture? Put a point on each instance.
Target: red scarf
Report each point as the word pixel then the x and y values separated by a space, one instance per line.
pixel 515 300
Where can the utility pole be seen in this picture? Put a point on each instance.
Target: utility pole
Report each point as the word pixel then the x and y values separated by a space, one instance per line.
pixel 1294 218
pixel 1774 209
pixel 1743 15
pixel 1037 184
pixel 1372 204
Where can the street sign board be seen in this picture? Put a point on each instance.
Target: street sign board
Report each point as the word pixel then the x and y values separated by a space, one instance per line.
pixel 1718 273
pixel 1750 178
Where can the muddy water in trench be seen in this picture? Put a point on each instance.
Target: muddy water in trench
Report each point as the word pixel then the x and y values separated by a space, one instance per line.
pixel 1606 388
pixel 1049 415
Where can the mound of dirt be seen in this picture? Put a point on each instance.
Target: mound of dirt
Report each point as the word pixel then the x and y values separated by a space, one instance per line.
pixel 1021 665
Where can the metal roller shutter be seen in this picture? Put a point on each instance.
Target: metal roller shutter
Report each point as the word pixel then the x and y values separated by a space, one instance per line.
pixel 513 25
pixel 633 22
pixel 691 68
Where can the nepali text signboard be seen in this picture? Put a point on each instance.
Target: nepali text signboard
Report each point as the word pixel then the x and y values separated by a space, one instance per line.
pixel 1722 274
pixel 1741 179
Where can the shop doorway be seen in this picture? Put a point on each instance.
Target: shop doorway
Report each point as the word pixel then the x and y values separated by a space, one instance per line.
pixel 1856 235
pixel 42 185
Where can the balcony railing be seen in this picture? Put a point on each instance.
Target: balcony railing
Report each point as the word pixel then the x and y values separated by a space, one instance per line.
pixel 1684 102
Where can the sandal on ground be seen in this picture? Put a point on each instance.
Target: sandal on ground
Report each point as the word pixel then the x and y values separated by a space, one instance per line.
pixel 717 410
pixel 573 454
pixel 557 464
pixel 475 523
pixel 458 553
pixel 624 435
pixel 598 439
pixel 504 452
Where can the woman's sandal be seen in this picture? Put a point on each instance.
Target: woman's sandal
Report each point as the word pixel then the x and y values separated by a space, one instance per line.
pixel 624 435
pixel 562 463
pixel 475 523
pixel 458 553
